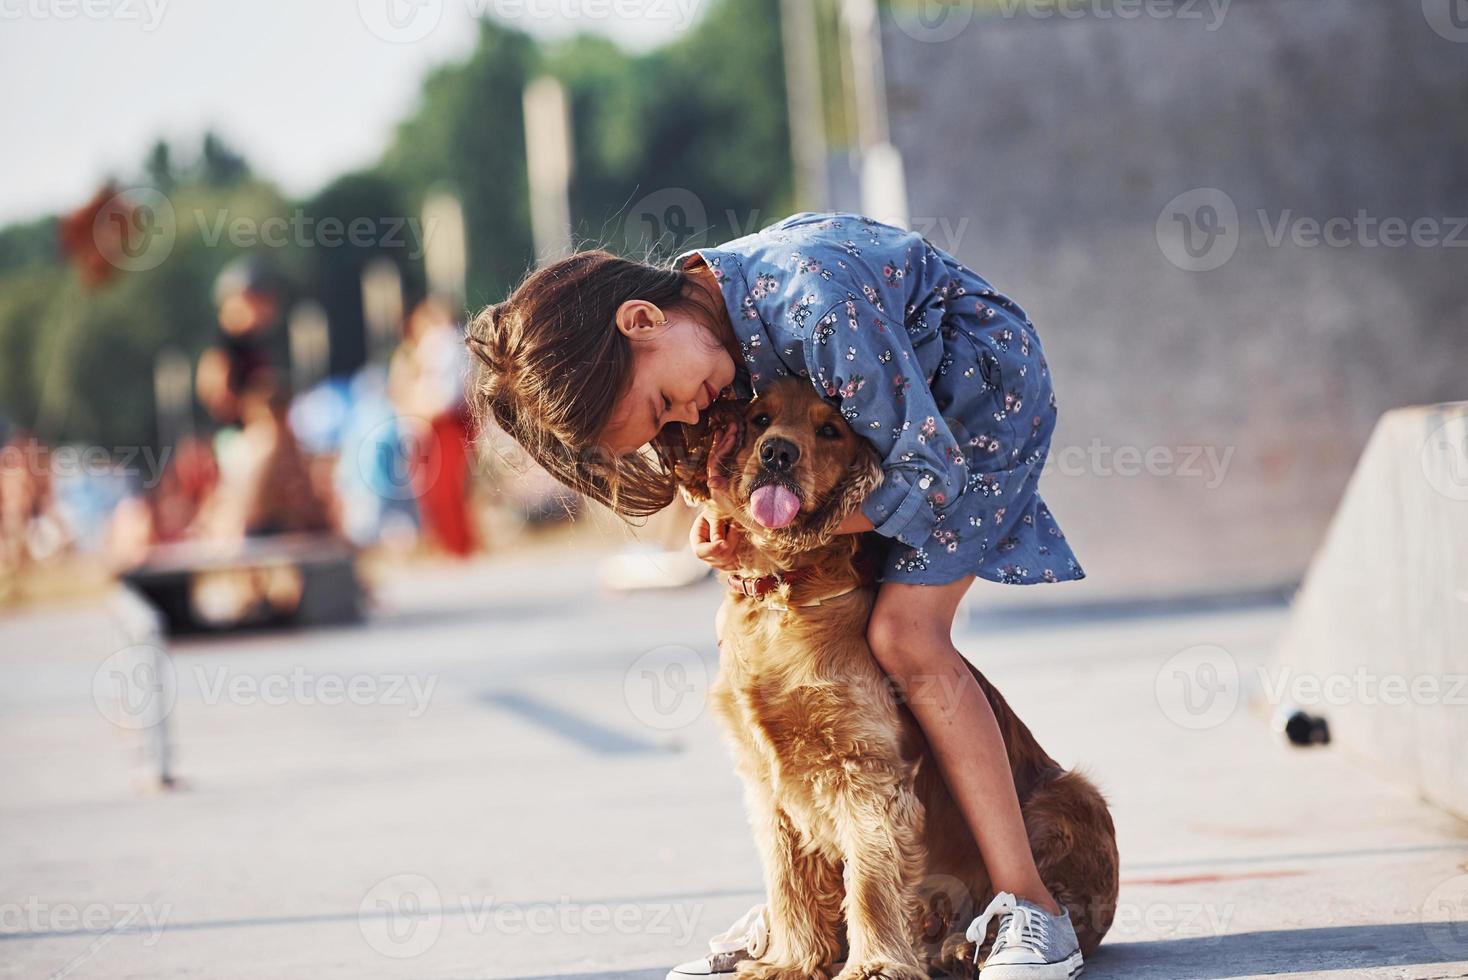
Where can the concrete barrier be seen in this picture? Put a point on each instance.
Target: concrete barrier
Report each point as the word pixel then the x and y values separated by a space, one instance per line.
pixel 1378 640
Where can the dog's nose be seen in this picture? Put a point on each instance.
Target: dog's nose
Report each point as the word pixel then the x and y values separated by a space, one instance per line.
pixel 778 455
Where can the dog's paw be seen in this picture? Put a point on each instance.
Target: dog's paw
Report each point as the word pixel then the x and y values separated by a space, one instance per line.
pixel 757 970
pixel 881 970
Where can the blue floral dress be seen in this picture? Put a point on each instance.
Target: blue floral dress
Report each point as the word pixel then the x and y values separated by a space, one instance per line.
pixel 942 373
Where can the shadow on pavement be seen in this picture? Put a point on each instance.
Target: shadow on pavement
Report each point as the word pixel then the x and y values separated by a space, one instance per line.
pixel 586 733
pixel 1284 951
pixel 1290 951
pixel 1045 615
pixel 625 975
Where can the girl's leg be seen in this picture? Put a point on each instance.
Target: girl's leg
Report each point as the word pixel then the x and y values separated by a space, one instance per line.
pixel 911 635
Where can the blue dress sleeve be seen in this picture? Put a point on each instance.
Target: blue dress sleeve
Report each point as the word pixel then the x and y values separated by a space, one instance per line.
pixel 864 359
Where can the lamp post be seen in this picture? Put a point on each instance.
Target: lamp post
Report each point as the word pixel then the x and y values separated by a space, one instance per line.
pixel 548 166
pixel 803 102
pixel 883 180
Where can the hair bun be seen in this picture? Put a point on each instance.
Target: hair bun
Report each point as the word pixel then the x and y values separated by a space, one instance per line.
pixel 488 339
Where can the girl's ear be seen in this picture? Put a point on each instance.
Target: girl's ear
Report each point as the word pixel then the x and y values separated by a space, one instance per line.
pixel 637 318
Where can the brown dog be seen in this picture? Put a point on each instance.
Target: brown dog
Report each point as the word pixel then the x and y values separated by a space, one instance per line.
pixel 853 819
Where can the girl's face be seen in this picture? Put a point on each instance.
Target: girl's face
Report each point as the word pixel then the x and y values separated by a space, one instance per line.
pixel 678 368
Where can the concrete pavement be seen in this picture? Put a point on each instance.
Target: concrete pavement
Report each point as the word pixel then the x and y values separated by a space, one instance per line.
pixel 506 774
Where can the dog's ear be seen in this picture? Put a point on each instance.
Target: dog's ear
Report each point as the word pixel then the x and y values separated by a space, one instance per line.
pixel 862 477
pixel 690 462
pixel 691 459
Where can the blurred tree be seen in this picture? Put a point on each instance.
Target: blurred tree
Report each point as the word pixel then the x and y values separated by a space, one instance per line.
pixel 700 121
pixel 88 356
pixel 220 166
pixel 374 219
pixel 717 117
pixel 468 136
pixel 605 88
pixel 32 244
pixel 159 167
pixel 26 296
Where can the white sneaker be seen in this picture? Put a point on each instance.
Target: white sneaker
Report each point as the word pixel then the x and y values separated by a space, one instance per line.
pixel 746 939
pixel 1032 944
pixel 639 567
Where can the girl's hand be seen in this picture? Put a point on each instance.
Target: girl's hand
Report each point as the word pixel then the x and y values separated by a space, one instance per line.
pixel 716 541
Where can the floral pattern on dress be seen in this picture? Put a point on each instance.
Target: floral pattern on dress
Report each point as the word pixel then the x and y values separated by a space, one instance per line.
pixel 959 403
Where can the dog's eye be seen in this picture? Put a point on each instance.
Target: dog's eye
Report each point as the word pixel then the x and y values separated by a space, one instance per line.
pixel 762 420
pixel 828 431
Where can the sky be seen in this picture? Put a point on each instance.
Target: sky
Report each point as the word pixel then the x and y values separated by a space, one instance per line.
pixel 306 89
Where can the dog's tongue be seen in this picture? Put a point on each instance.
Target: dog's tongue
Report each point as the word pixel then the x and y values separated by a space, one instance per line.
pixel 773 505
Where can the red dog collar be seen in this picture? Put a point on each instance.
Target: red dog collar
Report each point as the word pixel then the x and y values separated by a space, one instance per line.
pixel 757 587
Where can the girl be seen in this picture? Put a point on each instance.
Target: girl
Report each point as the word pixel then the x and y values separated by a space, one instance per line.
pixel 596 357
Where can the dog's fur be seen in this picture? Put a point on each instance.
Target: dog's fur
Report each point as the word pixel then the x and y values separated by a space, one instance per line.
pixel 854 822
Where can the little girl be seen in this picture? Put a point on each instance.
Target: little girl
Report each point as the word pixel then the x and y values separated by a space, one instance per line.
pixel 596 359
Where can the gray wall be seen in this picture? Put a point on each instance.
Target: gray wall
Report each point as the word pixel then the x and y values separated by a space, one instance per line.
pixel 1060 141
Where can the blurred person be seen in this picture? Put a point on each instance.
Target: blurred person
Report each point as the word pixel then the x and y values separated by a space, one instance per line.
pixel 31 516
pixel 373 480
pixel 190 500
pixel 28 528
pixel 595 363
pixel 170 511
pixel 192 475
pixel 426 384
pixel 265 490
pixel 259 485
pixel 265 486
pixel 318 418
pixel 86 496
pixel 248 304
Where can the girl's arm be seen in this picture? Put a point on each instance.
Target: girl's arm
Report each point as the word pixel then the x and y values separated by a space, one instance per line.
pixel 864 358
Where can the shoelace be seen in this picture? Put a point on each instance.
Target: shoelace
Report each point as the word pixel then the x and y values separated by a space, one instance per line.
pixel 1020 926
pixel 749 932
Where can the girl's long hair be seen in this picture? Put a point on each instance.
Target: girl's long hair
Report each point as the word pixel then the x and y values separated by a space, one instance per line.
pixel 551 364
